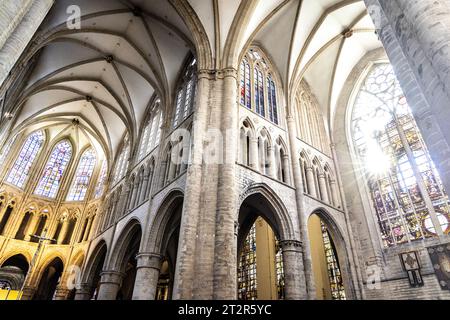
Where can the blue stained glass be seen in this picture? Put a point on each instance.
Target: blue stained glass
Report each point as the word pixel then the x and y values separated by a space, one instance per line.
pixel 272 99
pixel 83 176
pixel 21 169
pixel 54 170
pixel 259 92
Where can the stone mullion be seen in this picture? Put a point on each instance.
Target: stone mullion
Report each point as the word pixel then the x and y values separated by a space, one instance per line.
pixel 419 178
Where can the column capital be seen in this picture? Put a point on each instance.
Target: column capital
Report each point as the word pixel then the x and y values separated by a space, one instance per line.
pixel 149 260
pixel 83 288
pixel 291 245
pixel 212 74
pixel 114 277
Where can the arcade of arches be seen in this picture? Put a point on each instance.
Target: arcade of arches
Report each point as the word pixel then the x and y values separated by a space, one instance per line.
pixel 288 150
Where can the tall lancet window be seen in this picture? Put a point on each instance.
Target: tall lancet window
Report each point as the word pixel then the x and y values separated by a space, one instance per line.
pixel 101 182
pixel 30 150
pixel 184 101
pixel 54 170
pixel 245 87
pixel 258 90
pixel 406 189
pixel 83 176
pixel 122 161
pixel 272 100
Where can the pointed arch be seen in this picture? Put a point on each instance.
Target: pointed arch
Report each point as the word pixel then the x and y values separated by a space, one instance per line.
pixel 31 148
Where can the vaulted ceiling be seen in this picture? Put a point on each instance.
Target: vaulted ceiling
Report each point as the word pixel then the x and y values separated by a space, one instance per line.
pixel 106 73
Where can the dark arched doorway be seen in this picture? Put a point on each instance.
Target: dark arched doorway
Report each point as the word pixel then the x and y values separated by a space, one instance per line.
pixel 49 280
pixel 13 272
pixel 169 251
pixel 95 268
pixel 129 263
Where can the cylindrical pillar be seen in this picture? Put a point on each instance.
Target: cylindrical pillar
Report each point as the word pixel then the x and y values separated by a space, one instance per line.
pixel 84 291
pixel 294 277
pixel 225 258
pixel 310 181
pixel 254 153
pixel 147 274
pixel 287 173
pixel 110 284
pixel 32 225
pixel 323 188
pixel 63 232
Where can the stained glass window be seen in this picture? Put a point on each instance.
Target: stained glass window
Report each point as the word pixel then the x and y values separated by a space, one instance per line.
pixel 100 188
pixel 21 168
pixel 272 100
pixel 259 92
pixel 54 170
pixel 407 192
pixel 83 176
pixel 279 268
pixel 122 162
pixel 144 141
pixel 245 84
pixel 247 283
pixel 257 86
pixel 186 95
pixel 153 133
pixel 334 271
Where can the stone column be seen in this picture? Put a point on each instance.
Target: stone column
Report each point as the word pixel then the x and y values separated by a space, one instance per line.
pixel 186 258
pixel 162 172
pixel 32 225
pixel 110 284
pixel 149 184
pixel 84 291
pixel 302 214
pixel 416 37
pixel 88 229
pixel 121 205
pixel 287 172
pixel 294 277
pixel 20 30
pixel 273 163
pixel 147 275
pixel 225 257
pixel 63 232
pixel 323 188
pixel 61 293
pixel 334 193
pixel 134 193
pixel 254 153
pixel 28 293
pixel 310 181
pixel 143 195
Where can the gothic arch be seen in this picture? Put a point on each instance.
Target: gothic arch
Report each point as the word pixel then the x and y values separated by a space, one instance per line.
pixel 157 236
pixel 278 218
pixel 93 260
pixel 119 252
pixel 342 248
pixel 23 256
